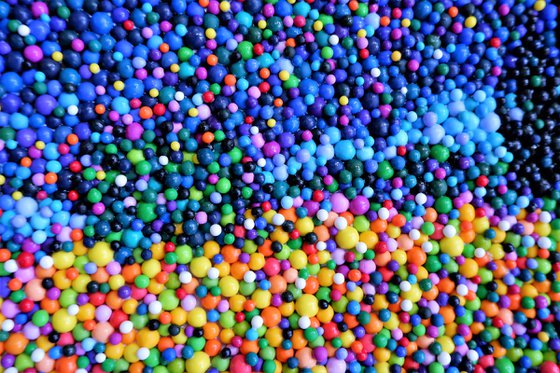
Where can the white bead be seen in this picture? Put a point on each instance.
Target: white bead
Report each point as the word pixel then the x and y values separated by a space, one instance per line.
pixel 213 273
pixel 404 90
pixel 257 322
pixel 545 217
pixel 406 305
pixel 504 225
pixel 421 198
pixel 361 247
pixel 383 213
pixel 215 230
pixel 544 243
pixel 261 162
pixel 479 252
pixel 444 358
pixel 278 219
pixel 427 247
pixel 100 357
pixel 37 355
pixel 126 327
pixel 322 215
pixel 334 39
pixel 249 277
pixel 301 283
pixel 73 309
pixel 414 234
pixel 179 96
pixel 462 290
pixel 81 371
pixel 321 245
pixel 249 224
pixel 340 223
pixel 155 307
pixel 254 130
pixel 72 110
pixel 143 353
pixel 121 180
pixel 185 277
pixel 375 72
pixel 438 54
pixel 8 325
pixel 11 370
pixel 472 355
pixel 405 286
pixel 449 231
pixel 304 322
pixel 23 30
pixel 338 278
pixel 46 262
pixel 11 266
pixel 163 160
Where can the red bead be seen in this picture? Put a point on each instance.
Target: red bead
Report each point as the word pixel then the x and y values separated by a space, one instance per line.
pixel 25 260
pixel 495 42
pixel 401 150
pixel 75 166
pixel 364 53
pixel 388 204
pixel 128 25
pixel 482 181
pixel 26 305
pixel 249 120
pixel 239 316
pixel 208 97
pixel 264 87
pixel 97 299
pixel 318 196
pixel 159 109
pixel 258 49
pixel 63 149
pixel 169 247
pixel 266 206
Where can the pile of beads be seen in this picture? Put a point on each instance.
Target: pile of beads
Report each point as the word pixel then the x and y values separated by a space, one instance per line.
pixel 279 186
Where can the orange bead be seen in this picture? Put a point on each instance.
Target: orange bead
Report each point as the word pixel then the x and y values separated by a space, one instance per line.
pixel 164 47
pixel 14 284
pixel 76 235
pixel 72 139
pixel 99 109
pixel 353 5
pixel 212 60
pixel 453 11
pixel 15 344
pixel 146 112
pixel 162 277
pixel 264 73
pixel 5 255
pixel 51 178
pixel 211 330
pixel 72 273
pixel 311 285
pixel 230 80
pixel 165 343
pixel 66 364
pixel 213 347
pixel 25 162
pixel 271 316
pixel 165 317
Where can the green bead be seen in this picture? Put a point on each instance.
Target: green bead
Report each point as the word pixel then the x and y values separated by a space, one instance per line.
pixel 40 318
pixel 143 168
pixel 142 281
pixel 385 171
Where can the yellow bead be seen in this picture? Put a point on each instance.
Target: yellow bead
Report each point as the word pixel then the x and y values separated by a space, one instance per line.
pixel 179 316
pixel 362 33
pixel 539 5
pixel 325 277
pixel 114 351
pixel 63 322
pixel 405 23
pixel 396 56
pixel 399 256
pixel 470 22
pixel 130 353
pixel 174 68
pixel 17 196
pixel 298 259
pixel 262 24
pixel 284 75
pixel 147 338
pixel 453 246
pixel 193 112
pixel 262 298
pixel 199 362
pixel 129 306
pixel 469 269
pixel 197 317
pixel 175 146
pixel 86 312
pixel 63 260
pixel 200 266
pixel 80 283
pixel 61 281
pixel 224 6
pixel 57 56
pixel 326 315
pixel 229 286
pixel 40 145
pixel 118 85
pixel 101 254
pixel 343 100
pixel 210 33
pixel 116 282
pixel 256 261
pixel 100 175
pixel 274 336
pixel 151 268
pixel 317 25
pixel 347 238
pixel 271 123
pixel 94 68
pixel 307 305
pixel 154 92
